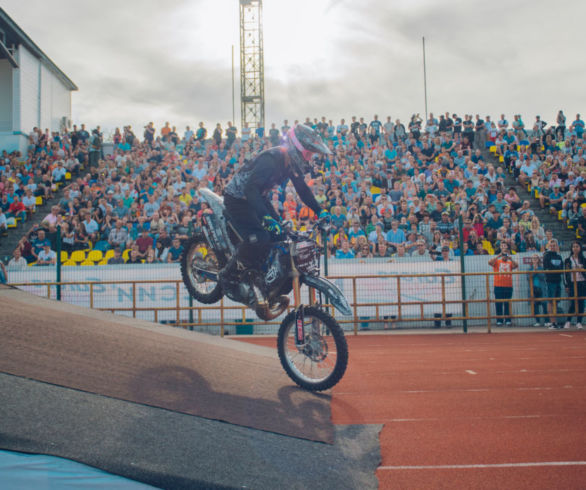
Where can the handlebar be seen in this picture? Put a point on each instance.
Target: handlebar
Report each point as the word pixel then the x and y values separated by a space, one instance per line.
pixel 322 224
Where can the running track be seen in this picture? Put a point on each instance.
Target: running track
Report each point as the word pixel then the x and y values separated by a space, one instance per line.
pixel 505 410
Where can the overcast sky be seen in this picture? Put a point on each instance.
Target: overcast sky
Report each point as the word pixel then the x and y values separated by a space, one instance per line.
pixel 140 60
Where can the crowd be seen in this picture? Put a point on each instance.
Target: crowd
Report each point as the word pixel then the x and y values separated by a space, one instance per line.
pixel 391 189
pixel 550 278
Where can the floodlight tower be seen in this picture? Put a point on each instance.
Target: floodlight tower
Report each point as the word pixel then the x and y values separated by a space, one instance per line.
pixel 252 76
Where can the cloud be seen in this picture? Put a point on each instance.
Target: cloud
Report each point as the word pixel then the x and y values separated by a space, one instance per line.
pixel 137 61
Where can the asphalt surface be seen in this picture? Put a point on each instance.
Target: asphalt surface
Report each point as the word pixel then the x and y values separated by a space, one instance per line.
pixel 172 450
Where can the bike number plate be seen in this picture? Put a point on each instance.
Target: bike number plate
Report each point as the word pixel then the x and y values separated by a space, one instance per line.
pixel 299 327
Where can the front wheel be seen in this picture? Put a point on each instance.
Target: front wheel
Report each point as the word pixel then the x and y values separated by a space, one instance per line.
pixel 321 360
pixel 198 257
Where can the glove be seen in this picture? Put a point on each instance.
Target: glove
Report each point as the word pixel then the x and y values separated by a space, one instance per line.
pixel 272 225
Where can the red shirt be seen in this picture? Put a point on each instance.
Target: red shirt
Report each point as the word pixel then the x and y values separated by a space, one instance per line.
pixel 144 243
pixel 16 207
pixel 503 280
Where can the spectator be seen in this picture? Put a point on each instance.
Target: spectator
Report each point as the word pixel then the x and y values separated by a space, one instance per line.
pixel 90 227
pixel 46 256
pixel 345 252
pixel 555 200
pixel 445 226
pixel 444 255
pixel 338 219
pixel 16 209
pixel 118 236
pixel 3 223
pixel 231 132
pixel 144 243
pixel 17 262
pixel 217 135
pixel 133 257
pixel 175 251
pixel 575 280
pixel 67 238
pixel 151 257
pixel 81 239
pixel 117 259
pixel 401 252
pixel 421 250
pixel 362 248
pixel 201 132
pixel 395 235
pixel 581 223
pixel 52 219
pixel 552 261
pixel 3 273
pixel 95 149
pixel 355 232
pixel 59 172
pixel 30 202
pixel 502 265
pixel 39 243
pixel 537 289
pixel 382 250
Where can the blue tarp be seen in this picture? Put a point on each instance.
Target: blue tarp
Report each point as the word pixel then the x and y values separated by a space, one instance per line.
pixel 20 471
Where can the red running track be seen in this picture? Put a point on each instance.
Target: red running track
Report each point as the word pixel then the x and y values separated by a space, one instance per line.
pixel 505 410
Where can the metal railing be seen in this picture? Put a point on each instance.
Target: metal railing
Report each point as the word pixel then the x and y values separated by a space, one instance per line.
pixel 398 309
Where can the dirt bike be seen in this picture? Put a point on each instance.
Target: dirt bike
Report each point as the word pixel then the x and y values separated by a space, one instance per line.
pixel 311 344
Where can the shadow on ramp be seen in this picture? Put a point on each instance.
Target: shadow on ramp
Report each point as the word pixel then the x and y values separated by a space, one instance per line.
pixel 158 366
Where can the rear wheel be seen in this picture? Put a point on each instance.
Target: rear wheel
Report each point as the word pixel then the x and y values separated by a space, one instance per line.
pixel 321 360
pixel 199 257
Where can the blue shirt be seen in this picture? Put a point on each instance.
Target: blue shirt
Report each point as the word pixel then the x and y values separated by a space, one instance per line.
pixel 345 255
pixel 396 236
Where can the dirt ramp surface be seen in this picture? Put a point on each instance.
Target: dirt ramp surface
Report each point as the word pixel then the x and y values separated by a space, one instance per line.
pixel 157 366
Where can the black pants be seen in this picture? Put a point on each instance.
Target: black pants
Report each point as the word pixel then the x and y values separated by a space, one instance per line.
pixel 539 305
pixel 503 293
pixel 256 240
pixel 438 323
pixel 581 294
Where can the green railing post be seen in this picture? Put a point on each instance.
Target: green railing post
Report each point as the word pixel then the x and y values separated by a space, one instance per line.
pixel 190 312
pixel 58 262
pixel 463 277
pixel 190 233
pixel 324 239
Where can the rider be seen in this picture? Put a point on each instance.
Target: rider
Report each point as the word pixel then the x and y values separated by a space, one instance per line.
pixel 246 195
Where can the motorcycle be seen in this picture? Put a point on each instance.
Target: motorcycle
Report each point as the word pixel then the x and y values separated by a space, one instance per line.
pixel 311 344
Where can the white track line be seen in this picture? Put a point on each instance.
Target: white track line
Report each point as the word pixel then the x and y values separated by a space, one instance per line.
pixel 475 466
pixel 564 335
pixel 469 371
pixel 437 419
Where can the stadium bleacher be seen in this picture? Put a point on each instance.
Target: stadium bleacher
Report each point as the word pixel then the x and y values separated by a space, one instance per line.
pixel 423 177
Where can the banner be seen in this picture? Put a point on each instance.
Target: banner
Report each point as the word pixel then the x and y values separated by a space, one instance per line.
pixel 158 294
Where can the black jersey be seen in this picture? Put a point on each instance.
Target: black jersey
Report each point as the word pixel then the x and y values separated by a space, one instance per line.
pixel 257 177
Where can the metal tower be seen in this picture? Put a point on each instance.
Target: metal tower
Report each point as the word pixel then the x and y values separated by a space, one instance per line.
pixel 252 76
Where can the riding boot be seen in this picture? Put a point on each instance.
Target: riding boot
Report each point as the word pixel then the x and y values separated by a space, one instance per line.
pixel 229 272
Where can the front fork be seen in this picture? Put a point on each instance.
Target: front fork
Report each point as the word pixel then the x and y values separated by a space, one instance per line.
pixel 299 321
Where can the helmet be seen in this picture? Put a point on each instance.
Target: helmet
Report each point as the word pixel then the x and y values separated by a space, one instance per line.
pixel 302 143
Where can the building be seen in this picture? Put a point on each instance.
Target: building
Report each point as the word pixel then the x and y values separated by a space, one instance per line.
pixel 33 90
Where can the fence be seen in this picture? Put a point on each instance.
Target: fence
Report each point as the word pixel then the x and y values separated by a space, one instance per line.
pixel 442 295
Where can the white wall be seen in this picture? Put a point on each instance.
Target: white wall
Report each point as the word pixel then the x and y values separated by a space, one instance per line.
pixel 5 96
pixel 28 78
pixel 43 98
pixel 55 100
pixel 46 84
pixel 60 103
